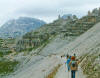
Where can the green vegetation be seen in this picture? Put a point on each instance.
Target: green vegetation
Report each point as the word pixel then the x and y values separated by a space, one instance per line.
pixel 5 45
pixel 4 53
pixel 7 67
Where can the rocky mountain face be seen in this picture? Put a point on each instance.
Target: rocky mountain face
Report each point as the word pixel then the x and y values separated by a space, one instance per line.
pixel 40 51
pixel 86 41
pixel 70 27
pixel 18 27
pixel 88 47
pixel 42 35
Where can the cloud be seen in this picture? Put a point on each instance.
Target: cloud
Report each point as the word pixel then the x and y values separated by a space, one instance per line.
pixel 44 9
pixel 55 7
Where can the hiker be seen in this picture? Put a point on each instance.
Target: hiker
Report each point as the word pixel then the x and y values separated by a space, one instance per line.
pixel 61 56
pixel 74 66
pixel 68 61
pixel 75 55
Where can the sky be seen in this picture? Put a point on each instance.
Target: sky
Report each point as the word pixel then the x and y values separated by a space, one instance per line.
pixel 47 10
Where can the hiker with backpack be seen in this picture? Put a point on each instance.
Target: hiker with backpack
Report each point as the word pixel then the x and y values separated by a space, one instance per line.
pixel 74 66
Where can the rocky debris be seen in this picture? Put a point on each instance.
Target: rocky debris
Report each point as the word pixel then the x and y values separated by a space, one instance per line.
pixel 91 66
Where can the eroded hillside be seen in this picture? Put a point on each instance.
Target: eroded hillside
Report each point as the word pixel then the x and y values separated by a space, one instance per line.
pixel 39 51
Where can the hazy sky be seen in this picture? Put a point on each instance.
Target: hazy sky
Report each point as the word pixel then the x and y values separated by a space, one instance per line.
pixel 46 10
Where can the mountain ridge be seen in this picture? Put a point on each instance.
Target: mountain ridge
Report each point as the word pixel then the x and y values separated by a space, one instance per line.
pixel 37 53
pixel 18 27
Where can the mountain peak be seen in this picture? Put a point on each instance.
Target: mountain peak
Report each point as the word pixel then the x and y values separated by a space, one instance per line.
pixel 21 26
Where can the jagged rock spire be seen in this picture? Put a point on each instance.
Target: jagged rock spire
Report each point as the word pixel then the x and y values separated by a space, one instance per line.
pixel 99 10
pixel 59 16
pixel 89 13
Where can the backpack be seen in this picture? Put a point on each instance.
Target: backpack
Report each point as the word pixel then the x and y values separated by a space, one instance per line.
pixel 74 64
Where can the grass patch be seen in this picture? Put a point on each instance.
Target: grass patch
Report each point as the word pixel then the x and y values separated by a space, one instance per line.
pixel 53 73
pixel 4 53
pixel 7 67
